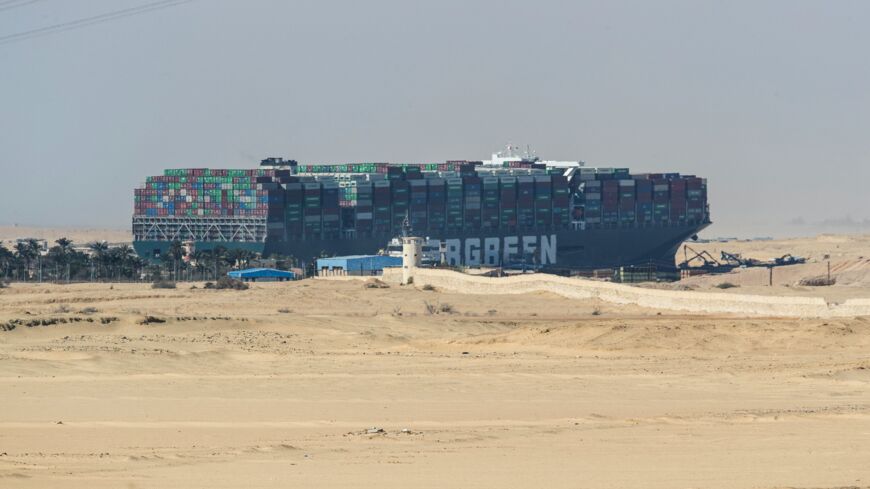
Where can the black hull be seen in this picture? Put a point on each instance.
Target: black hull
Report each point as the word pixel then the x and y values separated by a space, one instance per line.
pixel 586 249
pixel 580 249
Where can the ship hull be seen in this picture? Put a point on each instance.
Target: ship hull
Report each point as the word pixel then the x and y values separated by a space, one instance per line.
pixel 567 249
pixel 152 249
pixel 563 249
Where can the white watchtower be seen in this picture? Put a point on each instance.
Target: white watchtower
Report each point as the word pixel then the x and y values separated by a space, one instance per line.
pixel 412 253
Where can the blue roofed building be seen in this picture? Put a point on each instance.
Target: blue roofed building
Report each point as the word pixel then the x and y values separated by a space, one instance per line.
pixel 262 275
pixel 356 265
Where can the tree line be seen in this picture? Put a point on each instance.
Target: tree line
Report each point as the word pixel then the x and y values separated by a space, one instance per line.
pixel 98 262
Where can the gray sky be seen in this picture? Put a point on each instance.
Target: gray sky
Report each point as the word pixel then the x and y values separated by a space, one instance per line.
pixel 769 100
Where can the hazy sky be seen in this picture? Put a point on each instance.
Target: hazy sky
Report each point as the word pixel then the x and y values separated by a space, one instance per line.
pixel 769 100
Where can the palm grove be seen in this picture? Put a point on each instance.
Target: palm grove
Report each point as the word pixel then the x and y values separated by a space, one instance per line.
pixel 63 262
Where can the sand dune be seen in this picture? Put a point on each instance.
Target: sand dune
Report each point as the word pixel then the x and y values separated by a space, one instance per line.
pixel 508 391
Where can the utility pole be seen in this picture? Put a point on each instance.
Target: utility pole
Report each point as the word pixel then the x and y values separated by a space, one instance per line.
pixel 829 272
pixel 770 279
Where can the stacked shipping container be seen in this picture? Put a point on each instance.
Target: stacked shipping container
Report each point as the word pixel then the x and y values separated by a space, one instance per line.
pixel 467 200
pixel 207 193
pixel 618 198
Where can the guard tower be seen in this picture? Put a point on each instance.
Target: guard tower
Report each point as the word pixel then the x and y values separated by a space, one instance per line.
pixel 412 252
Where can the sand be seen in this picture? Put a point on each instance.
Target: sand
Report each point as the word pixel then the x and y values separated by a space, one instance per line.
pixel 848 255
pixel 277 387
pixel 80 235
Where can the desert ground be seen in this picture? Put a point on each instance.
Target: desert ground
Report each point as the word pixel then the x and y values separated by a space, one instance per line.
pixel 848 255
pixel 79 235
pixel 332 384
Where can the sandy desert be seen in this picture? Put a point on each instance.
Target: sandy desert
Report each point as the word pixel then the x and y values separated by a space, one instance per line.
pixel 332 384
pixel 537 173
pixel 79 235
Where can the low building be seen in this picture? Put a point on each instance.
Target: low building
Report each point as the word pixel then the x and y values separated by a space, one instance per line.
pixel 356 265
pixel 262 275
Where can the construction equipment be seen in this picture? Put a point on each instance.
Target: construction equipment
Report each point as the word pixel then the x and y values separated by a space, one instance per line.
pixel 789 259
pixel 736 260
pixel 727 262
pixel 709 263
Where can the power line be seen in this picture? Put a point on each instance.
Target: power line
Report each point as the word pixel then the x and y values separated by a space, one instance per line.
pixel 15 4
pixel 87 21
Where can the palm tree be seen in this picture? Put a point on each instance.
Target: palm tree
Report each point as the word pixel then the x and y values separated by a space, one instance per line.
pixel 120 259
pixel 216 257
pixel 99 251
pixel 197 259
pixel 176 254
pixel 236 257
pixel 65 244
pixel 26 251
pixel 7 259
pixel 60 254
pixel 131 263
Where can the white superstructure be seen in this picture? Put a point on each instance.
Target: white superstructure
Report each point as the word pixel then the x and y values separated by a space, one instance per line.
pixel 512 153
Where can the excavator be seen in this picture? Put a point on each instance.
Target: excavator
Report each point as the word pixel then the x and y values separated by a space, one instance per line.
pixel 737 260
pixel 729 261
pixel 708 262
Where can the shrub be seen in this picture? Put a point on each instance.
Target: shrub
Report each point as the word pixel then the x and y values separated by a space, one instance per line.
pixel 430 288
pixel 284 310
pixel 726 285
pixel 430 308
pixel 152 320
pixel 596 310
pixel 62 309
pixel 437 308
pixel 163 284
pixel 226 283
pixel 817 281
pixel 376 284
pixel 89 310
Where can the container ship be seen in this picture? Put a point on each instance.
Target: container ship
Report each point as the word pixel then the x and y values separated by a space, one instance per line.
pixel 510 210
